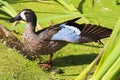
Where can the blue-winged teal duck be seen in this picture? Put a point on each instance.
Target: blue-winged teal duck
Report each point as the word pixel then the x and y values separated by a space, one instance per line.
pixel 53 38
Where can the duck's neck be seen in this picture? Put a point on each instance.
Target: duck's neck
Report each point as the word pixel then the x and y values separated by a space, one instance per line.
pixel 30 29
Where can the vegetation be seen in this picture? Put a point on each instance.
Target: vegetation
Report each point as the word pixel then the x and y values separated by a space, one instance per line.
pixel 72 59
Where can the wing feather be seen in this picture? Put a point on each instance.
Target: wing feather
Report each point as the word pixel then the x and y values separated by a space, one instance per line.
pixel 92 33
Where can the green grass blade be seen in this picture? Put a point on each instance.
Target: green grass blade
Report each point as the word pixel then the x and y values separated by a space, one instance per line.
pixel 108 62
pixel 114 72
pixel 73 10
pixel 8 9
pixel 5 9
pixel 84 73
pixel 111 53
pixel 68 5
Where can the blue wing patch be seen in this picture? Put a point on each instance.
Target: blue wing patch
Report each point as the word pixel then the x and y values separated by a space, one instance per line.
pixel 67 33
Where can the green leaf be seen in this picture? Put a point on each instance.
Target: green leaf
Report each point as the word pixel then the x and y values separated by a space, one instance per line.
pixel 7 8
pixel 114 72
pixel 84 73
pixel 68 4
pixel 111 54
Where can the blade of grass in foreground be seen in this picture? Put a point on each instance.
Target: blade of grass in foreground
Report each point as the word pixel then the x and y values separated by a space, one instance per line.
pixel 84 74
pixel 114 72
pixel 7 8
pixel 72 9
pixel 111 54
pixel 67 4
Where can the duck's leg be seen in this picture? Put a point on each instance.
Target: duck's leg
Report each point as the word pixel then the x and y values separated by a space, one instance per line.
pixel 50 60
pixel 48 64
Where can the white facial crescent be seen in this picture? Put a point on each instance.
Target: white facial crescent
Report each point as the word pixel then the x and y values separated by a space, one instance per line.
pixel 22 14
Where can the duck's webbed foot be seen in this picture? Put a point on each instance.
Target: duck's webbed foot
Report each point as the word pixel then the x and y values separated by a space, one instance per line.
pixel 47 64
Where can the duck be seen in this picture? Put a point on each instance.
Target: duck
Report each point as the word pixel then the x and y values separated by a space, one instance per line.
pixel 51 39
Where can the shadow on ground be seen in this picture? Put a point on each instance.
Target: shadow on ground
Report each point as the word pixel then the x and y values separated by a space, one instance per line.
pixel 73 60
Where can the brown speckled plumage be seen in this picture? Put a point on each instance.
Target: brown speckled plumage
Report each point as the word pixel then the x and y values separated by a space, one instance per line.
pixel 41 42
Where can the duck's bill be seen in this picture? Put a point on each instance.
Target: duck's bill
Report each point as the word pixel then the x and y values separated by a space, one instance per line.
pixel 16 18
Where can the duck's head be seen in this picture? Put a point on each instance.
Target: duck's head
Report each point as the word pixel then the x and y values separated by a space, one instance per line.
pixel 26 15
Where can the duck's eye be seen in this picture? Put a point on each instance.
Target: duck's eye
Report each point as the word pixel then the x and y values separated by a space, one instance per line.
pixel 25 13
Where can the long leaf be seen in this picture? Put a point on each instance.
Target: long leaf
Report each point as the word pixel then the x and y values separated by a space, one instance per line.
pixel 8 9
pixel 114 72
pixel 68 5
pixel 110 54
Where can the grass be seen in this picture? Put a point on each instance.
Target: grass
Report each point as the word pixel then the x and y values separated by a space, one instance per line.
pixel 72 59
pixel 14 66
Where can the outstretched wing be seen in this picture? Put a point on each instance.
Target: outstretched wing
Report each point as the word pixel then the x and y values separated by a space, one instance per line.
pixel 83 33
